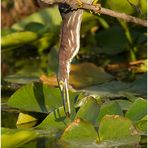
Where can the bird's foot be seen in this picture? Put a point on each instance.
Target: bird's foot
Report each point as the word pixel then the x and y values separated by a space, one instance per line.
pixel 79 3
pixel 97 5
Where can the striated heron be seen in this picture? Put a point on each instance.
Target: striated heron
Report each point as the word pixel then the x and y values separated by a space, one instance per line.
pixel 69 47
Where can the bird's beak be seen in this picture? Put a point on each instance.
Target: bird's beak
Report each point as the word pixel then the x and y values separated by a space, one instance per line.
pixel 65 97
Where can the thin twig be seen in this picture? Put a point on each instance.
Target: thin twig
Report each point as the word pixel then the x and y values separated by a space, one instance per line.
pixel 98 9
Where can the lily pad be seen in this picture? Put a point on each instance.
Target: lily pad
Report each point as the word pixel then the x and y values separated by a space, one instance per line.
pixel 82 75
pixel 110 108
pixel 87 74
pixel 56 120
pixel 89 111
pixel 16 137
pixel 142 125
pixel 137 110
pixel 29 119
pixel 37 97
pixel 79 131
pixel 119 89
pixel 124 104
pixel 118 129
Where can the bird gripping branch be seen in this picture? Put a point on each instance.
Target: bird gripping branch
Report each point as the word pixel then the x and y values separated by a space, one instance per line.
pixel 69 47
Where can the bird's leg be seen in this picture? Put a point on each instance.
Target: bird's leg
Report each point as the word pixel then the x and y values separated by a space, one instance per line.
pixel 95 3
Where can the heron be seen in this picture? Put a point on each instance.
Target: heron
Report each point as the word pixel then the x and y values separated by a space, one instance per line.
pixel 69 47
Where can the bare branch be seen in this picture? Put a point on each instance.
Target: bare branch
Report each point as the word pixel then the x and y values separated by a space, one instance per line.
pixel 98 9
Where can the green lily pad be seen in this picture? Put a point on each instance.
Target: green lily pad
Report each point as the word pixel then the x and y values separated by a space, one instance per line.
pixel 142 125
pixel 124 104
pixel 89 111
pixel 21 79
pixel 118 129
pixel 25 118
pixel 56 120
pixel 110 108
pixel 87 74
pixel 137 110
pixel 17 39
pixel 37 97
pixel 29 119
pixel 16 137
pixel 79 131
pixel 119 89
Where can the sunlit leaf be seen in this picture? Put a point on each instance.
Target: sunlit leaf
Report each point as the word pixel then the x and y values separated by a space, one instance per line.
pixel 79 131
pixel 137 110
pixel 16 137
pixel 124 104
pixel 37 97
pixel 56 120
pixel 142 125
pixel 29 119
pixel 89 111
pixel 121 5
pixel 116 128
pixel 109 108
pixel 80 75
pixel 87 74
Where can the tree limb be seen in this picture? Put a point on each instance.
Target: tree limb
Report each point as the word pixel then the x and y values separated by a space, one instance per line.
pixel 98 9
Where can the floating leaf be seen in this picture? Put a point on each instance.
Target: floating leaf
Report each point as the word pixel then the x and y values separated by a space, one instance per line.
pixel 87 74
pixel 89 111
pixel 29 119
pixel 79 131
pixel 137 110
pixel 25 118
pixel 81 77
pixel 37 97
pixel 118 129
pixel 16 137
pixel 21 79
pixel 124 104
pixel 56 120
pixel 119 89
pixel 142 125
pixel 109 108
pixel 139 85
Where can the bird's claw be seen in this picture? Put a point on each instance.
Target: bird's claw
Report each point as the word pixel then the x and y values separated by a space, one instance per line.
pixel 97 5
pixel 79 3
